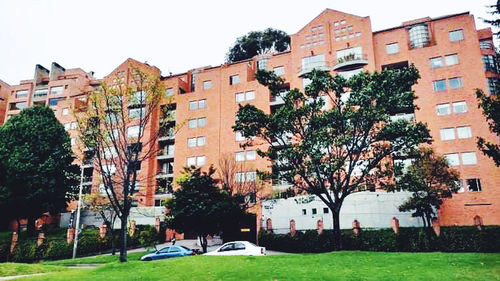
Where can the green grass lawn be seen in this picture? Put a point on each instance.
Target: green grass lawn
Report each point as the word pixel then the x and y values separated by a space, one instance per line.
pixel 328 266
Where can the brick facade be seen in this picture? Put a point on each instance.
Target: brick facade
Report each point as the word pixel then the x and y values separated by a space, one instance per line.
pixel 327 40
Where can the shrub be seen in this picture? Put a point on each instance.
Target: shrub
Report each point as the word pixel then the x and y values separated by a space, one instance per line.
pixel 452 239
pixel 58 249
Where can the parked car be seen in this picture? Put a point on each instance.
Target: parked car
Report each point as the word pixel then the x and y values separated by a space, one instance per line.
pixel 238 248
pixel 168 252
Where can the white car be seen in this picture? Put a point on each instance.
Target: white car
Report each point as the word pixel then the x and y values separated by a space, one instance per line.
pixel 238 248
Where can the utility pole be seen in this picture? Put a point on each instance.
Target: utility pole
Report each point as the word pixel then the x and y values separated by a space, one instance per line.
pixel 77 227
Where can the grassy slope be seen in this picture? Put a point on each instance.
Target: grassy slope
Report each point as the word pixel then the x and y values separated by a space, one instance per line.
pixel 9 269
pixel 344 265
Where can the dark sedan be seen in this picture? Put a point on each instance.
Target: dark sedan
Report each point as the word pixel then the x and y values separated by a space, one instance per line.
pixel 168 252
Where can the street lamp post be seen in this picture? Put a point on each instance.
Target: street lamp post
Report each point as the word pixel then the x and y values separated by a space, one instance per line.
pixel 77 227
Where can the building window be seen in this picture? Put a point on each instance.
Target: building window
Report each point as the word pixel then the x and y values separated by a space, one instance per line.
pixel 312 62
pixel 460 186
pixel 459 107
pixel 21 94
pixel 234 79
pixel 464 132
pixel 18 106
pixel 240 97
pixel 197 104
pixel 65 111
pixel 73 141
pixel 197 123
pixel 419 35
pixel 279 70
pixel 194 142
pixel 489 63
pixel 245 176
pixel 193 81
pixel 54 102
pixel 452 159
pixel 456 35
pixel 455 83
pixel 133 131
pixel 392 48
pixel 138 98
pixel 451 59
pixel 326 210
pixel 135 113
pixel 245 155
pixel 443 109
pixel 436 62
pixel 314 211
pixel 485 44
pixel 469 158
pixel 304 212
pixel 447 134
pixel 493 85
pixel 57 90
pixel 196 161
pixel 239 136
pixel 439 85
pixel 169 92
pixel 262 64
pixel 473 185
pixel 207 85
pixel 40 93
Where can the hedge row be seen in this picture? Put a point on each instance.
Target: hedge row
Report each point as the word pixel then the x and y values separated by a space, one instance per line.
pixel 451 239
pixel 88 243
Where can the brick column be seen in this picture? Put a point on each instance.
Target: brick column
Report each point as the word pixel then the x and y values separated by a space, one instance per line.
pixel 131 229
pixel 157 225
pixel 320 227
pixel 356 227
pixel 41 238
pixel 436 226
pixel 14 241
pixel 103 229
pixel 70 235
pixel 395 225
pixel 293 228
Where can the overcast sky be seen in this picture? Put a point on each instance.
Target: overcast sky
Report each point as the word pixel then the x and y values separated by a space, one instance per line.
pixel 173 35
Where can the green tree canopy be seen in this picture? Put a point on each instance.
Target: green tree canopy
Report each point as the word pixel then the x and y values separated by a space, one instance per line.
pixel 335 151
pixel 491 110
pixel 199 206
pixel 258 42
pixel 36 165
pixel 430 179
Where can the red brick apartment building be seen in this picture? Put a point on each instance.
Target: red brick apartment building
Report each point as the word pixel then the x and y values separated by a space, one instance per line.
pixel 453 58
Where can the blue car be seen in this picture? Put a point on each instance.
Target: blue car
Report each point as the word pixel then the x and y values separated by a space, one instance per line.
pixel 168 252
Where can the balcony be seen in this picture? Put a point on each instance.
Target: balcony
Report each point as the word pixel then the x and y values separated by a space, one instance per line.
pixel 307 68
pixel 166 134
pixel 87 180
pixel 490 68
pixel 350 62
pixel 165 174
pixel 164 154
pixel 410 117
pixel 88 163
pixel 40 94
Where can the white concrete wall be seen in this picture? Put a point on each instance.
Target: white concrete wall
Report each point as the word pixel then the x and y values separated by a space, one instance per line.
pixel 371 209
pixel 141 215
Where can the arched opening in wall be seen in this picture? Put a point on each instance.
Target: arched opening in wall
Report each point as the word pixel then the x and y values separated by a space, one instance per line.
pixel 478 221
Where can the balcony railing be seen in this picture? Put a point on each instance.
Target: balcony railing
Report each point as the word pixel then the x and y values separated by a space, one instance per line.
pixel 320 65
pixel 351 61
pixel 165 154
pixel 164 174
pixel 490 68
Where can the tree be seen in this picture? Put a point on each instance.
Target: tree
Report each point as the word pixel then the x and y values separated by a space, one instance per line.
pixel 117 127
pixel 200 206
pixel 36 166
pixel 334 152
pixel 257 43
pixel 491 110
pixel 495 12
pixel 430 179
pixel 100 204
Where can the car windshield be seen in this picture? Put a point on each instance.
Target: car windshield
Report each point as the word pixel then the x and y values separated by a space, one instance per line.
pixel 164 250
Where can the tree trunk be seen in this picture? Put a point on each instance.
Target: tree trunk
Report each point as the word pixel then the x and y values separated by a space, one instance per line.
pixel 203 242
pixel 18 220
pixel 337 237
pixel 31 228
pixel 123 235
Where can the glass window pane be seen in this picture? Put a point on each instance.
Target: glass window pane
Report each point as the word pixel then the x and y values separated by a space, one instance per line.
pixel 207 85
pixel 447 134
pixel 169 92
pixel 451 59
pixel 469 158
pixel 251 155
pixel 443 109
pixel 191 161
pixel 392 48
pixel 464 132
pixel 455 83
pixel 240 97
pixel 133 131
pixel 456 35
pixel 473 185
pixel 202 104
pixel 202 122
pixel 191 142
pixel 280 70
pixel 201 141
pixel 436 62
pixel 192 123
pixel 193 105
pixel 239 136
pixel 240 156
pixel 452 159
pixel 250 95
pixel 460 107
pixel 439 85
pixel 200 160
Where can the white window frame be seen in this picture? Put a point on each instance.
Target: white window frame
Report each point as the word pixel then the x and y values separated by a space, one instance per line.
pixel 464 132
pixel 451 59
pixel 207 84
pixel 447 134
pixel 468 158
pixel 441 108
pixel 457 105
pixel 453 159
pixel 392 48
